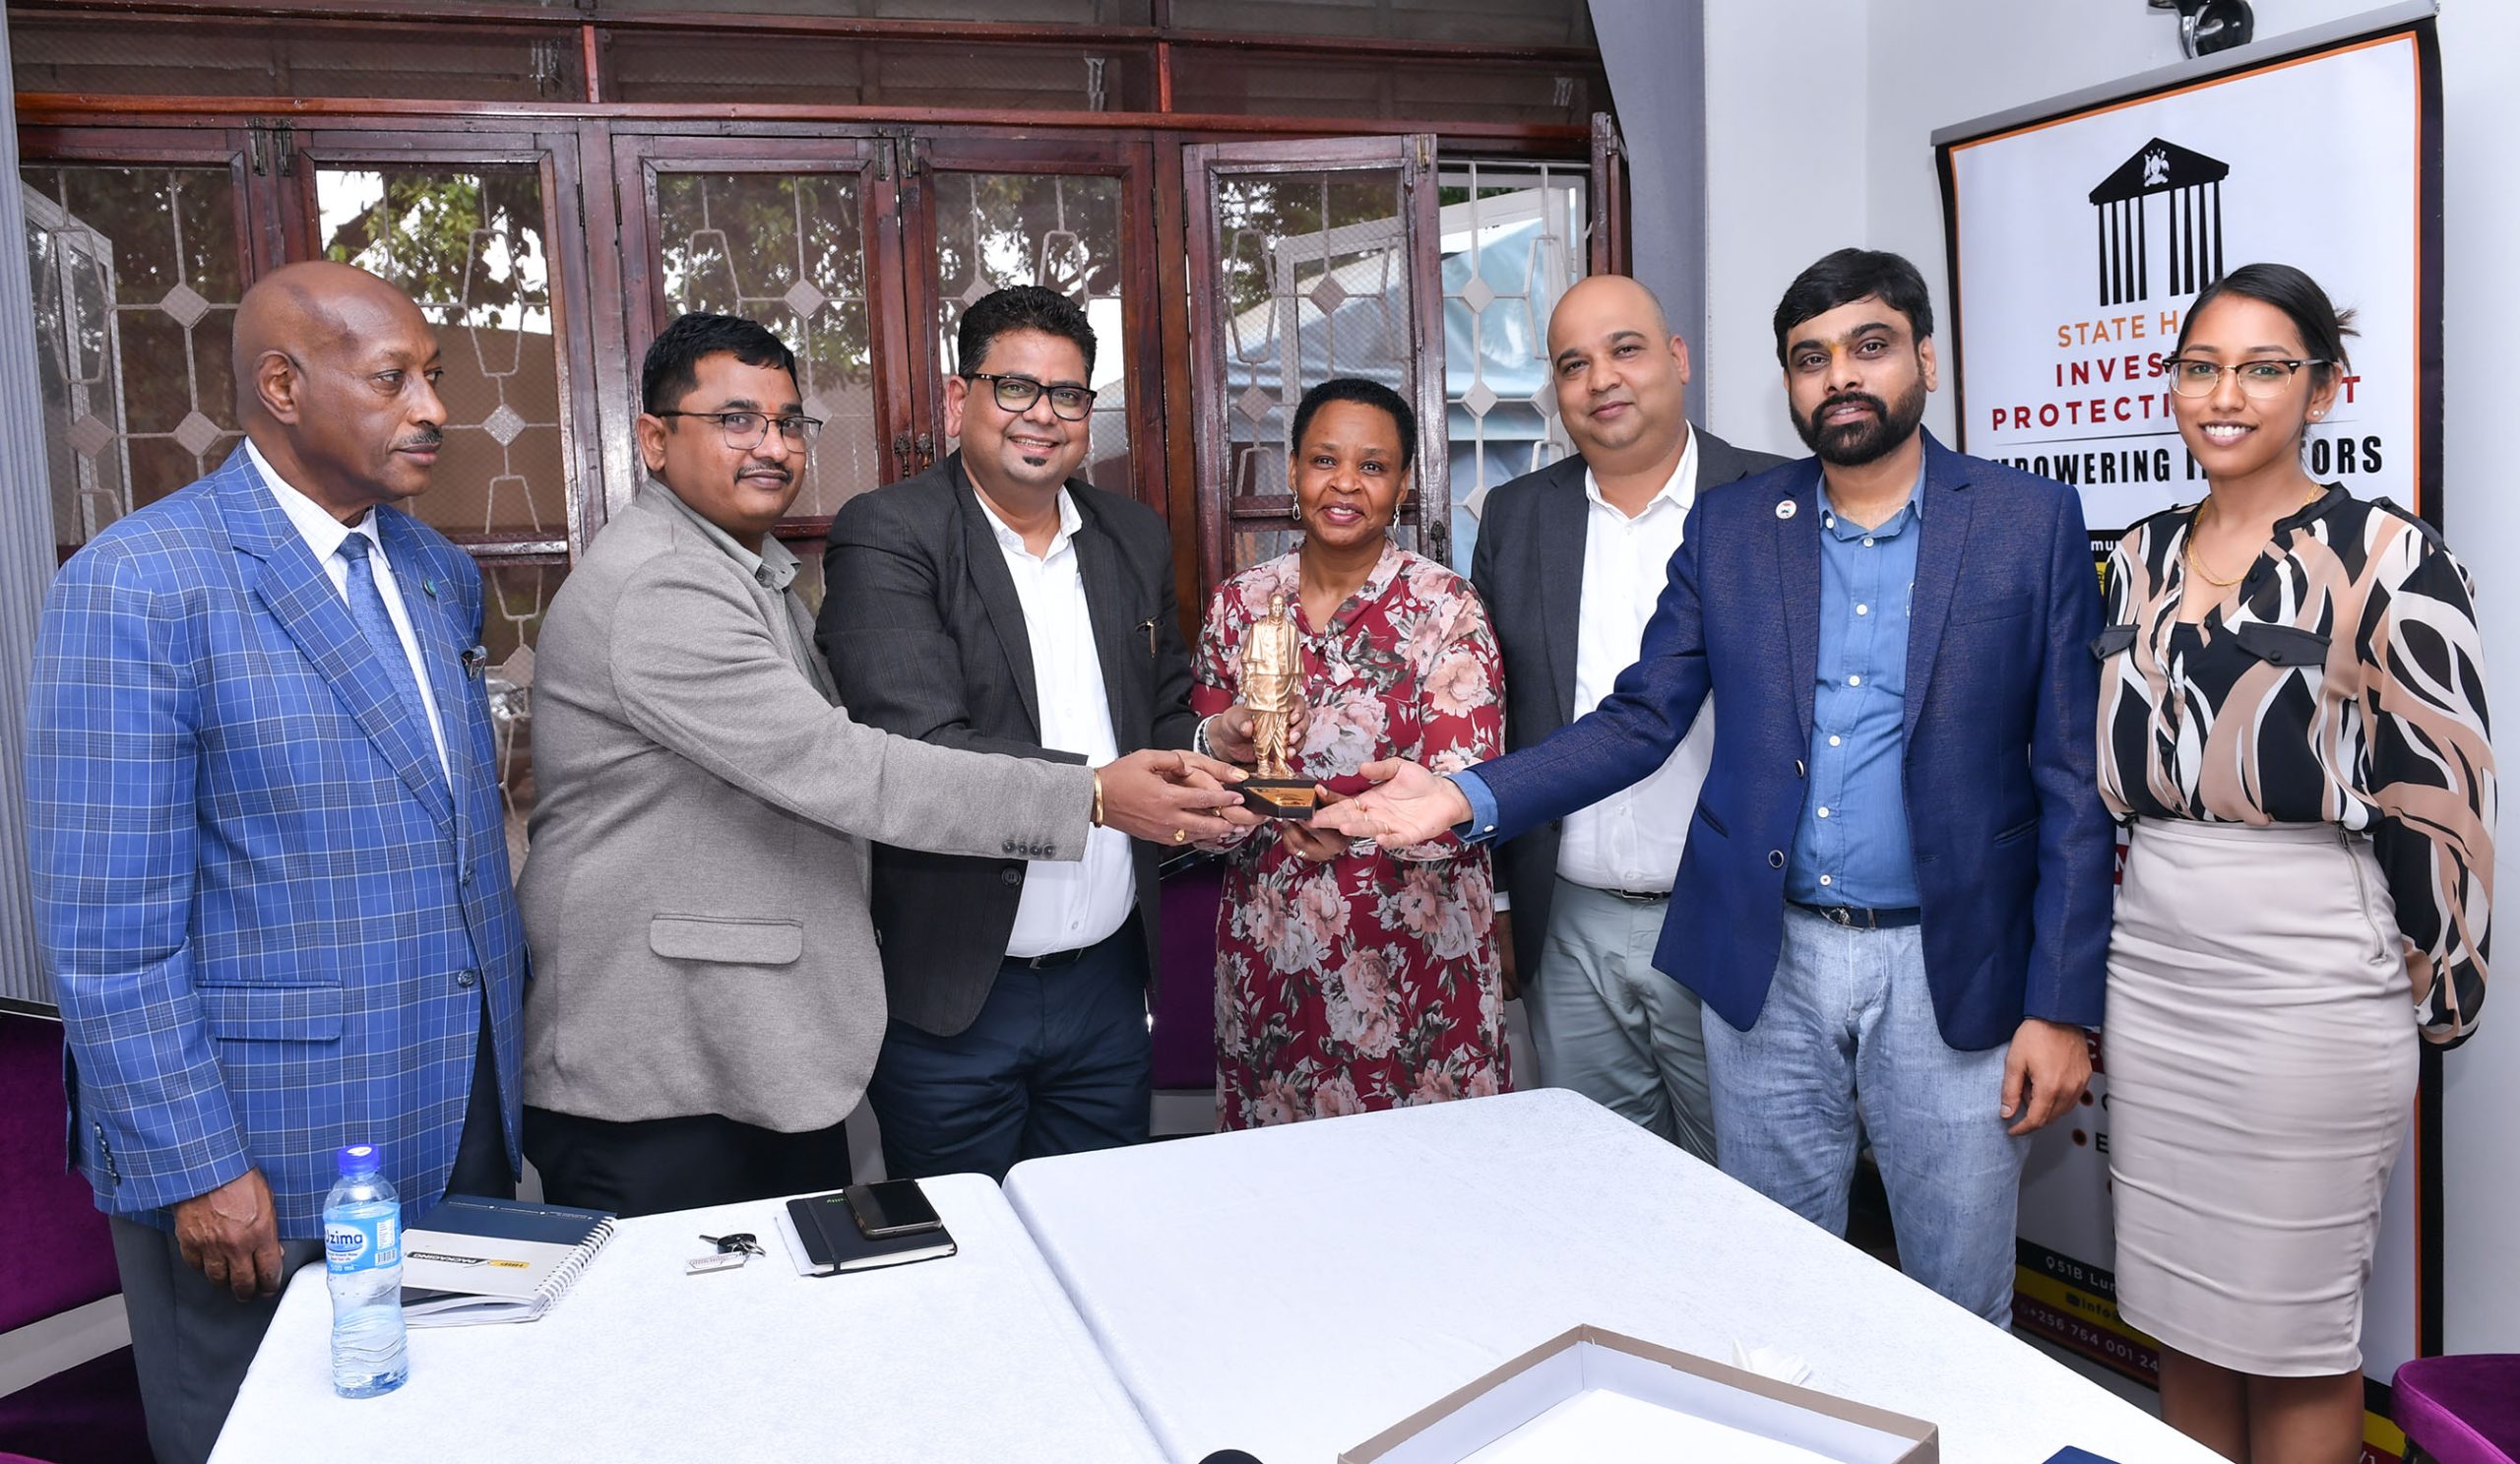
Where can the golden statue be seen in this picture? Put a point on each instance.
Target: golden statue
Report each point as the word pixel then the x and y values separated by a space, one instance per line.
pixel 1272 663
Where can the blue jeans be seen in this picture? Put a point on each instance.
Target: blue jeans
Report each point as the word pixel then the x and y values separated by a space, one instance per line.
pixel 1058 1062
pixel 1847 1047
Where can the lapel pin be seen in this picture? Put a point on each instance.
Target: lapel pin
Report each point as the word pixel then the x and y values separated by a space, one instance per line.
pixel 429 588
pixel 1785 510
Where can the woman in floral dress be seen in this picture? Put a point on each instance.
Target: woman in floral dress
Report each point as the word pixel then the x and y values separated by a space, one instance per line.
pixel 1348 978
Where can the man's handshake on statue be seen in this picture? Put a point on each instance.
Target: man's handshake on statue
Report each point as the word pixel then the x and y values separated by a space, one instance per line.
pixel 1406 804
pixel 1168 796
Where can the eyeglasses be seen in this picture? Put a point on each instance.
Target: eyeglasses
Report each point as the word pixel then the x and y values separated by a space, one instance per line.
pixel 1017 394
pixel 744 431
pixel 2191 377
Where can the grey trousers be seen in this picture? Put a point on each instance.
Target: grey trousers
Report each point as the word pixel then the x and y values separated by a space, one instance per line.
pixel 191 1341
pixel 1608 1025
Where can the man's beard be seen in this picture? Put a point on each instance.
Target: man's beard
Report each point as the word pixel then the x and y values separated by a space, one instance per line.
pixel 1854 444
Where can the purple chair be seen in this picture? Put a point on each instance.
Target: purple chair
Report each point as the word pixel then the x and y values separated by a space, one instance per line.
pixel 2463 1410
pixel 55 1253
pixel 1186 994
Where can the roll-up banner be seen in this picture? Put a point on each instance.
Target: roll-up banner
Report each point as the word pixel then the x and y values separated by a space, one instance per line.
pixel 2079 231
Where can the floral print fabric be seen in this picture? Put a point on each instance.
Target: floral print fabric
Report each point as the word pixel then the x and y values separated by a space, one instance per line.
pixel 1372 981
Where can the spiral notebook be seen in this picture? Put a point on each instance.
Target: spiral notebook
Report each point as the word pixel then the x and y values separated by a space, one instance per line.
pixel 474 1260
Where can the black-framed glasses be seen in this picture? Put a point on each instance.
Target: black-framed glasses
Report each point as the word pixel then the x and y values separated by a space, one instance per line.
pixel 744 431
pixel 1017 394
pixel 2191 377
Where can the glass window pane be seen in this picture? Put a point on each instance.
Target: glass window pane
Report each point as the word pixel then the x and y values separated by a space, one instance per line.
pixel 783 249
pixel 1512 243
pixel 1054 229
pixel 116 55
pixel 1288 83
pixel 643 66
pixel 470 245
pixel 1314 273
pixel 514 596
pixel 1540 22
pixel 136 277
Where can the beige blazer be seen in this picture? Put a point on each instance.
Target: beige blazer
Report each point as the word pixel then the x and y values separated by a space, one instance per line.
pixel 695 898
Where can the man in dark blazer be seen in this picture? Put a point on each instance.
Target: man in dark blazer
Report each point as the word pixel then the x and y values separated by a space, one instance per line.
pixel 999 604
pixel 1896 891
pixel 1570 560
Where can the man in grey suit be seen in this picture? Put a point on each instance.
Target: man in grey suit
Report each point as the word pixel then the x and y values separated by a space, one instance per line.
pixel 998 603
pixel 1570 561
pixel 705 1004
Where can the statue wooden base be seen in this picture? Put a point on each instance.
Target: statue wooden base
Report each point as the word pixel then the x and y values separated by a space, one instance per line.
pixel 1280 798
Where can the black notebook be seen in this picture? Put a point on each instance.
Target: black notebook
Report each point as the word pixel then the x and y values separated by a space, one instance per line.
pixel 474 1260
pixel 822 1238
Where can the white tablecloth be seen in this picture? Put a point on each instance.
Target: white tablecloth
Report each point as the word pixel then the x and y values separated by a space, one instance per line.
pixel 1294 1291
pixel 975 1358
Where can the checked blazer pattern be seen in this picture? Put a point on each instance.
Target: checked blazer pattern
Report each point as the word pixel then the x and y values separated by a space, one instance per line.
pixel 272 927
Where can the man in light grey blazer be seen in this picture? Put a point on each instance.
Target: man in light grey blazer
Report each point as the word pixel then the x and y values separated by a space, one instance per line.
pixel 707 999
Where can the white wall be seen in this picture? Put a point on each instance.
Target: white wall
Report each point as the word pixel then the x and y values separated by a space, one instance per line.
pixel 1819 114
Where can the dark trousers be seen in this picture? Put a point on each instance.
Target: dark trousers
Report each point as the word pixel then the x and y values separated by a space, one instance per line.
pixel 653 1165
pixel 191 1341
pixel 1058 1062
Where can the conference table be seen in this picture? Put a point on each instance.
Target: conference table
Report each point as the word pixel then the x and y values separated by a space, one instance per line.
pixel 979 1357
pixel 1292 1292
pixel 1289 1292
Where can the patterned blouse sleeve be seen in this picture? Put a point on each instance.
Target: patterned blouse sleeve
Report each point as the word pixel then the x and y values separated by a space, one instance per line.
pixel 1462 716
pixel 1215 682
pixel 2115 597
pixel 2431 773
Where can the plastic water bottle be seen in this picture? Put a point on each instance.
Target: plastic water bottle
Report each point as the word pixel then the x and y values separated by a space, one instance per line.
pixel 363 1267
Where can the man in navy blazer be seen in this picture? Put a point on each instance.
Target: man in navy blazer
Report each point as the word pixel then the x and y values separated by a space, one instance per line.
pixel 1570 562
pixel 1896 886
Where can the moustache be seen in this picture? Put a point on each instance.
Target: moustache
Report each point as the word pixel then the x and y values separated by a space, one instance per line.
pixel 429 439
pixel 1867 400
pixel 778 475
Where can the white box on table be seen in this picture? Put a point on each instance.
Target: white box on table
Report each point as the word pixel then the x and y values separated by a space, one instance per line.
pixel 1595 1394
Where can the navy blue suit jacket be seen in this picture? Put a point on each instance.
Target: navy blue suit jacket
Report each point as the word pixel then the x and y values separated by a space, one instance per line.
pixel 2013 847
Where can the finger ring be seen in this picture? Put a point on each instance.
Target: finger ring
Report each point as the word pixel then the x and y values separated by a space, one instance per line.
pixel 1180 836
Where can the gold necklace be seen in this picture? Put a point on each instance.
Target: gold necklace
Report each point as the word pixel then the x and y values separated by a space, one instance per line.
pixel 2189 550
pixel 2195 564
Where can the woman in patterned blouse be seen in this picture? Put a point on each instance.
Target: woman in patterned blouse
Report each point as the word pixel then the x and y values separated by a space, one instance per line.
pixel 1349 978
pixel 2292 721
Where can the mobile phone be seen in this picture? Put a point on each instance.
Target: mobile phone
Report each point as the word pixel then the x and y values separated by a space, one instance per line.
pixel 894 1207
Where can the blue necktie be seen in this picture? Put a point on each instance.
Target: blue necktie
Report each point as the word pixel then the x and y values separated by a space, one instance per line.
pixel 367 608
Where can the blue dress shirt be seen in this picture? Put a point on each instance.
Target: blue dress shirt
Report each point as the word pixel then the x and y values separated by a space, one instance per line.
pixel 1853 846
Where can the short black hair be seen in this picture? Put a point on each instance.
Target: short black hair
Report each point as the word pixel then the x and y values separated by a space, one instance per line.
pixel 2323 327
pixel 1365 393
pixel 1020 308
pixel 1849 276
pixel 672 366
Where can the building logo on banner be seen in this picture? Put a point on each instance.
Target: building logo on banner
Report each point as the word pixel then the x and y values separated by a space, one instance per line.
pixel 2080 243
pixel 2192 236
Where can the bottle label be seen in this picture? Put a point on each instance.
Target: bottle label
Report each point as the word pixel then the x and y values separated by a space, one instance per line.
pixel 361 1243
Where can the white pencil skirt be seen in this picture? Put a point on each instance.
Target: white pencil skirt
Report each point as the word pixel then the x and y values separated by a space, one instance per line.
pixel 2260 1051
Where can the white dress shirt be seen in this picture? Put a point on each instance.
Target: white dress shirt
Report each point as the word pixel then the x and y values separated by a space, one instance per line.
pixel 1066 905
pixel 324 535
pixel 1632 840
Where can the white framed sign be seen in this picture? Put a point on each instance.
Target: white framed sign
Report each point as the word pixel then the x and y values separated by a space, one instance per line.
pixel 2080 232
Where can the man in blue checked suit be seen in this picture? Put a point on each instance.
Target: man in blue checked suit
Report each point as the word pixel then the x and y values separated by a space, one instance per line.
pixel 269 870
pixel 1896 890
